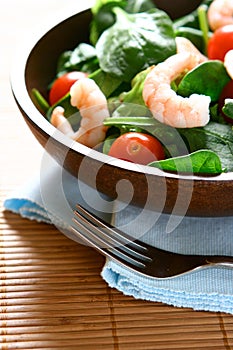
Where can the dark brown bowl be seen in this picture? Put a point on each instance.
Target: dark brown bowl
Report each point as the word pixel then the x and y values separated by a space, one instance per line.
pixel 169 193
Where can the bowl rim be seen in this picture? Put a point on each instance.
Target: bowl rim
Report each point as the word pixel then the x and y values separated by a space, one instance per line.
pixel 22 97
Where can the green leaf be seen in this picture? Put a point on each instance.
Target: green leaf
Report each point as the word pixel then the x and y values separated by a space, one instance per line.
pixel 215 114
pixel 214 136
pixel 136 6
pixel 228 108
pixel 108 143
pixel 82 58
pixel 167 135
pixel 106 82
pixel 61 63
pixel 200 162
pixel 64 102
pixel 132 103
pixel 99 4
pixel 208 78
pixel 82 53
pixel 135 94
pixel 137 121
pixel 104 16
pixel 135 42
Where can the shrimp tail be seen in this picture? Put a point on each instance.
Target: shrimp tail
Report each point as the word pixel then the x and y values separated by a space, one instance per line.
pixel 92 104
pixel 61 122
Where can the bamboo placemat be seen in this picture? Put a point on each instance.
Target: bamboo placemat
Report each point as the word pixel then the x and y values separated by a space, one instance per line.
pixel 51 292
pixel 52 297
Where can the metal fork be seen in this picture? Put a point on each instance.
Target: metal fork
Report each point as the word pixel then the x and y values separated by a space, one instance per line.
pixel 136 255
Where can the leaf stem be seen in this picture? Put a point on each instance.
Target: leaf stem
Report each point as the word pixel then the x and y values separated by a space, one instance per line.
pixel 40 101
pixel 203 23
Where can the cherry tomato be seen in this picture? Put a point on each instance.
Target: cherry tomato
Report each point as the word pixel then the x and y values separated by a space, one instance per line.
pixel 227 92
pixel 137 148
pixel 62 85
pixel 220 42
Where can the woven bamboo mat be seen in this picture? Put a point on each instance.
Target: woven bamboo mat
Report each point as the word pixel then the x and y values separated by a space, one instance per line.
pixel 52 297
pixel 51 292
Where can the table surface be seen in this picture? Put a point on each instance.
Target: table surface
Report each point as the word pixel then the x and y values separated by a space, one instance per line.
pixel 51 294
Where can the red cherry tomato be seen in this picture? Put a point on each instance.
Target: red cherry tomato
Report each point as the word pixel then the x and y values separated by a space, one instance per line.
pixel 137 148
pixel 62 85
pixel 220 42
pixel 227 92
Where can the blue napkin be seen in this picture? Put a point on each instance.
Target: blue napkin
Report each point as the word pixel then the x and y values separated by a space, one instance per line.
pixel 51 197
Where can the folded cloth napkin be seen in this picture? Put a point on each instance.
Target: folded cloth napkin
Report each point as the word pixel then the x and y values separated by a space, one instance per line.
pixel 51 197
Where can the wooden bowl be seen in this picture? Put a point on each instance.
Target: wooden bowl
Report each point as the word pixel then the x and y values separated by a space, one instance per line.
pixel 141 185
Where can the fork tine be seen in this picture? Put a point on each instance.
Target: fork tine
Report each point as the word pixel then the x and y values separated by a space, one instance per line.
pixel 155 262
pixel 108 235
pixel 104 247
pixel 116 233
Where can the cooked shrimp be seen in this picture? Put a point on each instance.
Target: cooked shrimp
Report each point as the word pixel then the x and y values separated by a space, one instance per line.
pixel 61 122
pixel 168 107
pixel 220 13
pixel 228 63
pixel 92 104
pixel 185 45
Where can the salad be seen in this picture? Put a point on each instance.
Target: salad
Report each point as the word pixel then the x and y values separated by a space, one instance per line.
pixel 149 89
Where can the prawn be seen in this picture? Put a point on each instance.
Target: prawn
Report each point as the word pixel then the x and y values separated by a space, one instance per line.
pixel 185 45
pixel 165 105
pixel 220 13
pixel 228 63
pixel 92 104
pixel 61 122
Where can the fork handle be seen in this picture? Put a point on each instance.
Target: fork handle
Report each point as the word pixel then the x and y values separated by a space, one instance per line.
pixel 220 260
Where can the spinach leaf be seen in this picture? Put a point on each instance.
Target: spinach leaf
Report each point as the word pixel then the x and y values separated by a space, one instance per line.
pixel 208 78
pixel 201 159
pixel 214 136
pixel 132 103
pixel 108 143
pixel 126 110
pixel 135 42
pixel 136 6
pixel 228 107
pixel 106 82
pixel 64 102
pixel 216 115
pixel 82 58
pixel 99 5
pixel 104 16
pixel 168 136
pixel 132 120
pixel 135 94
pixel 62 60
pixel 199 162
pixel 165 133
